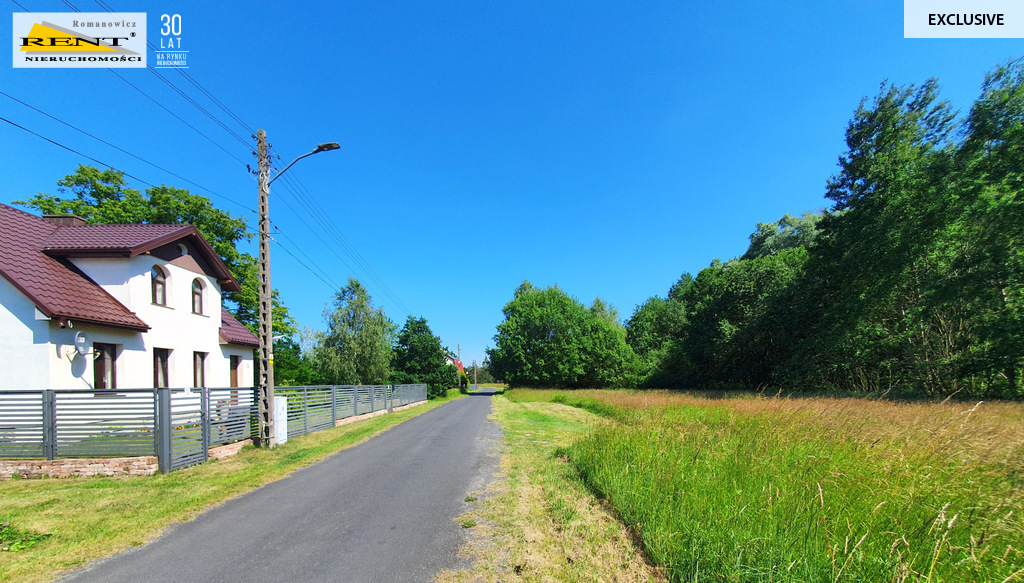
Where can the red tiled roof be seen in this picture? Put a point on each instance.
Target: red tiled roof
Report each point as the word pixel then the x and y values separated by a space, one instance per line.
pixel 55 286
pixel 233 332
pixel 129 239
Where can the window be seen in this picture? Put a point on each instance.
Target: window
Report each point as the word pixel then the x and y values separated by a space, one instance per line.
pixel 197 296
pixel 236 370
pixel 104 372
pixel 159 286
pixel 198 369
pixel 161 362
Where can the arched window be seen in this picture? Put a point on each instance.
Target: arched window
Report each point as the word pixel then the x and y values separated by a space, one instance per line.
pixel 159 286
pixel 197 296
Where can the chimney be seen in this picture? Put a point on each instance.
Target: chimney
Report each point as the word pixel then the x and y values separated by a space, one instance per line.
pixel 64 220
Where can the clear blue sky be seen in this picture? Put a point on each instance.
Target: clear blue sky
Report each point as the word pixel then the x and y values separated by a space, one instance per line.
pixel 606 147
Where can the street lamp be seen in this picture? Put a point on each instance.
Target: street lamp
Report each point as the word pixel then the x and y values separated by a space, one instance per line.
pixel 266 367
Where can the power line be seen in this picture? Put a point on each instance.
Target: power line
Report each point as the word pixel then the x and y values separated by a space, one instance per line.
pixel 332 231
pixel 315 270
pixel 183 95
pixel 316 210
pixel 195 83
pixel 208 138
pixel 70 149
pixel 122 150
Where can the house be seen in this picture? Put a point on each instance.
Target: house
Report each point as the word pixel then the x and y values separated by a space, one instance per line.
pixel 96 307
pixel 453 360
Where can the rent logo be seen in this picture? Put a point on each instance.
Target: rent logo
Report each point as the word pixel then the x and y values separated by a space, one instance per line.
pixel 80 39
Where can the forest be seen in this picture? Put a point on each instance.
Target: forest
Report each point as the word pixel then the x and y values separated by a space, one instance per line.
pixel 908 284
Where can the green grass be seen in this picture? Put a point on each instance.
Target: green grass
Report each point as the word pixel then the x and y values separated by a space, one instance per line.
pixel 66 523
pixel 541 523
pixel 811 490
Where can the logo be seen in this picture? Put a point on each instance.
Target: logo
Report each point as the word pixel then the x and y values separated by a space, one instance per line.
pixel 80 40
pixel 171 55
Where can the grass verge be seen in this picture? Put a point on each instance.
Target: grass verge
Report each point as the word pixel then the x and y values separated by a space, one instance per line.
pixel 811 489
pixel 541 523
pixel 70 522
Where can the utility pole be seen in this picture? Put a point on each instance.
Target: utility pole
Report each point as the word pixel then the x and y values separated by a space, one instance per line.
pixel 266 384
pixel 266 329
pixel 474 372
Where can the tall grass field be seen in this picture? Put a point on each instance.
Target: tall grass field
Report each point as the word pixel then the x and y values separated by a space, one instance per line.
pixel 809 489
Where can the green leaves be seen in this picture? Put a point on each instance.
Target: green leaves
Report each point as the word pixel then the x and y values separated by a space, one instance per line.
pixel 420 358
pixel 356 348
pixel 549 339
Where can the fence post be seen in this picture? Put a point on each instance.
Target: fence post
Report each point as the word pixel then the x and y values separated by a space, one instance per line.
pixel 204 418
pixel 373 400
pixel 163 429
pixel 334 405
pixel 49 424
pixel 388 391
pixel 305 411
pixel 355 400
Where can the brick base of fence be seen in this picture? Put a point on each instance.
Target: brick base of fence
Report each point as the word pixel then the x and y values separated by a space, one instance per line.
pixel 228 450
pixel 70 468
pixel 348 420
pixel 145 465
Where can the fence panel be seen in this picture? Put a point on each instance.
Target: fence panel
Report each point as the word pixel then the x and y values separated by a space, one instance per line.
pixel 344 401
pixel 98 424
pixel 232 415
pixel 188 442
pixel 21 425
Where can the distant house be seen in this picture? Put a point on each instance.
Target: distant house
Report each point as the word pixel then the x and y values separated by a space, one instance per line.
pixel 453 360
pixel 96 307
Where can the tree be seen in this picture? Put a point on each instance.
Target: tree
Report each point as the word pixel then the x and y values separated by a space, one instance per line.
pixel 654 324
pixel 549 339
pixel 788 232
pixel 103 197
pixel 874 261
pixel 291 368
pixel 356 348
pixel 420 358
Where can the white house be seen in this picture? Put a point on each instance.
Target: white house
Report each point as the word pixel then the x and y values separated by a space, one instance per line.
pixel 97 307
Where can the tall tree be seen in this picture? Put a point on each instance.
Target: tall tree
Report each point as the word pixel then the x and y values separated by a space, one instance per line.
pixel 356 348
pixel 549 339
pixel 420 358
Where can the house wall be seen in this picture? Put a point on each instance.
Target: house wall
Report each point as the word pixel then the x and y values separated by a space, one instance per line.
pixel 24 341
pixel 172 327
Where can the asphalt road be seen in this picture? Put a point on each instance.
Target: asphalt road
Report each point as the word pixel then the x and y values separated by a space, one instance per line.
pixel 380 511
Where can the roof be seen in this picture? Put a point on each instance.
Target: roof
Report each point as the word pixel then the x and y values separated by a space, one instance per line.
pixel 33 258
pixel 233 332
pixel 129 240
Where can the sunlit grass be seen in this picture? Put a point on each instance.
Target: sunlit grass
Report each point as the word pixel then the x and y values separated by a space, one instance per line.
pixel 810 489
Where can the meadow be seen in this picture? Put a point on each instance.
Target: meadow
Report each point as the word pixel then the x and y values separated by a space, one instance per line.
pixel 760 488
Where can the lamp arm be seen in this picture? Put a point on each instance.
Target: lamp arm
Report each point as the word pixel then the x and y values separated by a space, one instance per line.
pixel 290 164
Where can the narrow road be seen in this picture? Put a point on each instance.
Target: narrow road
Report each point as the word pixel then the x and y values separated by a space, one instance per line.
pixel 379 511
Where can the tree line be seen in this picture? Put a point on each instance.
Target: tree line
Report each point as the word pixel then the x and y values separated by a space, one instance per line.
pixel 361 345
pixel 910 283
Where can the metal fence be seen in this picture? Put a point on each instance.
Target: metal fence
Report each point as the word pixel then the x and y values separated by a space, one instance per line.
pixel 315 408
pixel 179 426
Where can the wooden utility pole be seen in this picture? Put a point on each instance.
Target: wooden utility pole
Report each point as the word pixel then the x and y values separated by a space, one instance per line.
pixel 266 365
pixel 474 372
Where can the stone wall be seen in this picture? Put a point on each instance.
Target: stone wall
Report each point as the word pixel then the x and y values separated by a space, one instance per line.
pixel 69 468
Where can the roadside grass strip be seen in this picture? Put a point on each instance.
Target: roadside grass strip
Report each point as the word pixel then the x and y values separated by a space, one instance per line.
pixel 810 489
pixel 541 523
pixel 62 524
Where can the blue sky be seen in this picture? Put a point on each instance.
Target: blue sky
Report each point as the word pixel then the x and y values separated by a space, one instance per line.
pixel 606 147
